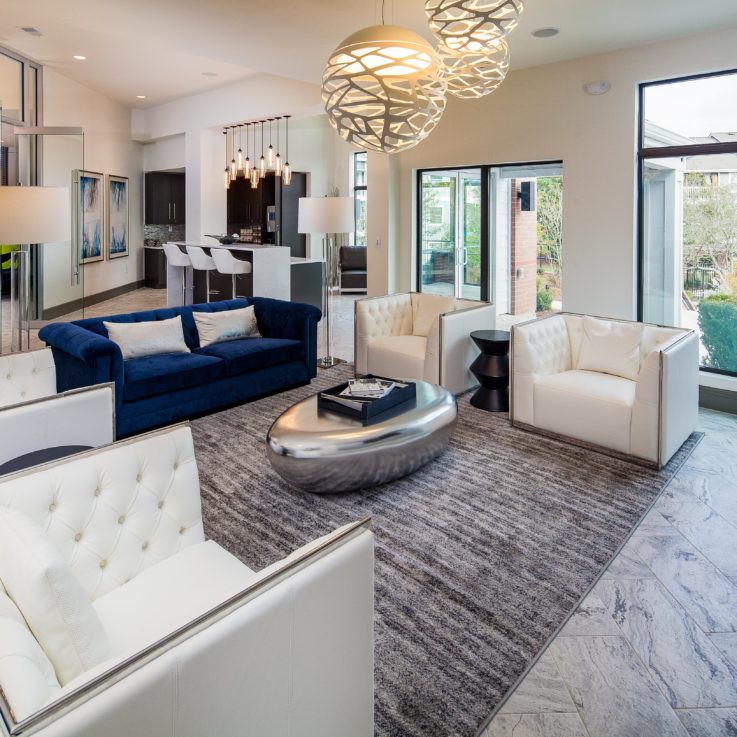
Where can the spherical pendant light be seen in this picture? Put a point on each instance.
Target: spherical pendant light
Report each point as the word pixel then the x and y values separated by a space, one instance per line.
pixel 469 75
pixel 471 25
pixel 383 89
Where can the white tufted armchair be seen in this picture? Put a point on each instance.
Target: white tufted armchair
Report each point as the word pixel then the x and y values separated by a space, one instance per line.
pixel 632 388
pixel 193 642
pixel 420 336
pixel 36 423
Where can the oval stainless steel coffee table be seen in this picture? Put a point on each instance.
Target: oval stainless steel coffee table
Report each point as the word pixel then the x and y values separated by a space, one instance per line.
pixel 325 452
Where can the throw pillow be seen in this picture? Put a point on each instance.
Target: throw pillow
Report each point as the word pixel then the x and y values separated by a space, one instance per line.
pixel 610 348
pixel 425 308
pixel 50 597
pixel 217 327
pixel 138 339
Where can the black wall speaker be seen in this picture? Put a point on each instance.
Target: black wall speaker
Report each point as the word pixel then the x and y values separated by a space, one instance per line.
pixel 527 196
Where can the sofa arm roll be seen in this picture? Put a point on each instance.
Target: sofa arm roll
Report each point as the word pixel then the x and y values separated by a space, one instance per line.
pixel 83 358
pixel 292 321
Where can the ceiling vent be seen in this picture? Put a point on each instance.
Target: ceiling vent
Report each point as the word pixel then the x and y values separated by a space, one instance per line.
pixel 31 31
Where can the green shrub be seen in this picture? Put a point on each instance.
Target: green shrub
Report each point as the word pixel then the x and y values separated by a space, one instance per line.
pixel 718 324
pixel 544 297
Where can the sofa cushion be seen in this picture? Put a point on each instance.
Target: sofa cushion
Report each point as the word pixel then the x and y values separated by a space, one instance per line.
pixel 586 405
pixel 27 677
pixel 397 356
pixel 154 375
pixel 169 595
pixel 50 597
pixel 148 338
pixel 610 347
pixel 26 376
pixel 425 308
pixel 251 354
pixel 220 327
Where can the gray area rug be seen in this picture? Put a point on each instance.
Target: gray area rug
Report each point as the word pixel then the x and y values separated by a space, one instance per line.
pixel 480 556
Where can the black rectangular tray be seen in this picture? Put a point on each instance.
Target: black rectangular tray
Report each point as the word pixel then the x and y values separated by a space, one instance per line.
pixel 370 408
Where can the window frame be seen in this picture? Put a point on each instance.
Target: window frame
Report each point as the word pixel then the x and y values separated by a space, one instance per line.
pixel 359 188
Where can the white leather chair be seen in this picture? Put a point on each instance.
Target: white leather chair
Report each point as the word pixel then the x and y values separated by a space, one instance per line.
pixel 176 258
pixel 631 388
pixel 190 641
pixel 202 262
pixel 420 336
pixel 227 263
pixel 37 424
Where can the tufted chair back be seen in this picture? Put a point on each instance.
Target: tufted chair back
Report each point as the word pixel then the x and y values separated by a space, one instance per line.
pixel 391 315
pixel 26 376
pixel 115 511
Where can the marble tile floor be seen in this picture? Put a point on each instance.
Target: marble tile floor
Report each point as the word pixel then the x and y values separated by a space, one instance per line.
pixel 652 651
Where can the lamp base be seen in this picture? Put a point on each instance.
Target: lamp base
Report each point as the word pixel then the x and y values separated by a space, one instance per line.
pixel 329 361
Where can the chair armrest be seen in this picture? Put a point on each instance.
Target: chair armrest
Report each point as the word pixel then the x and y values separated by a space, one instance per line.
pixel 83 358
pixel 379 317
pixel 456 350
pixel 83 417
pixel 289 320
pixel 539 348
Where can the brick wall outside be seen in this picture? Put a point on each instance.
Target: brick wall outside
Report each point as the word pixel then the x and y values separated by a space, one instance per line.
pixel 524 256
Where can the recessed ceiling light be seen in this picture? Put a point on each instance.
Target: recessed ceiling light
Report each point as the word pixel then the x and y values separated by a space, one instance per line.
pixel 209 74
pixel 546 32
pixel 79 57
pixel 141 97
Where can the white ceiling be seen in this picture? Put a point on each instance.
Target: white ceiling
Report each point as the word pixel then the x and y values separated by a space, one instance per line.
pixel 160 48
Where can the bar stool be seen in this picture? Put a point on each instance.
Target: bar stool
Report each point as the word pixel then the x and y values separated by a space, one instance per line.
pixel 177 258
pixel 227 263
pixel 202 262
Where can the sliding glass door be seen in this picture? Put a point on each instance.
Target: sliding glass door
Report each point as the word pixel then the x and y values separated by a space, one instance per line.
pixel 450 233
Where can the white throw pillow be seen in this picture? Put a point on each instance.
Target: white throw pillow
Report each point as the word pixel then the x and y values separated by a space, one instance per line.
pixel 425 308
pixel 137 339
pixel 610 348
pixel 50 597
pixel 217 327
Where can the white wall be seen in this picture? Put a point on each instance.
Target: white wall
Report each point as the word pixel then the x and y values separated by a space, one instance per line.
pixel 542 114
pixel 108 148
pixel 164 154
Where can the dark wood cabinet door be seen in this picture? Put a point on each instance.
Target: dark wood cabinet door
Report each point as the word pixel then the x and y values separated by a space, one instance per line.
pixel 287 214
pixel 158 200
pixel 177 194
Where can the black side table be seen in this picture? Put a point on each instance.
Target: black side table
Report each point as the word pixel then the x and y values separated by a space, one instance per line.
pixel 491 368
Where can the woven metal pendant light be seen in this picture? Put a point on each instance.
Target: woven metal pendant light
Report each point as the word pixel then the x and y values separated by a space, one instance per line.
pixel 473 75
pixel 471 25
pixel 384 89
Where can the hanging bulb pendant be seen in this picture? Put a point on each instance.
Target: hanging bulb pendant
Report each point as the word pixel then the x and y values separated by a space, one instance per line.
pixel 277 166
pixel 262 167
pixel 240 159
pixel 233 170
pixel 247 168
pixel 255 178
pixel 270 156
pixel 286 175
pixel 227 178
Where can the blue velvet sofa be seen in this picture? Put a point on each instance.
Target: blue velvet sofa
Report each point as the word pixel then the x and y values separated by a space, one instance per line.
pixel 157 390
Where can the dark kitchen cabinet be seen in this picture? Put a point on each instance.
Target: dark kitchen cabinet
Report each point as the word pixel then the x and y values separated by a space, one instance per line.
pixel 165 198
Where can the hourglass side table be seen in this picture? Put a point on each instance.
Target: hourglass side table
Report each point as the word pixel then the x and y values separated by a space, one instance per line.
pixel 491 368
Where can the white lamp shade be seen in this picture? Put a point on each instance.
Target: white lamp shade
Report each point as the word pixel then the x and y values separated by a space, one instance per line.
pixel 35 215
pixel 326 215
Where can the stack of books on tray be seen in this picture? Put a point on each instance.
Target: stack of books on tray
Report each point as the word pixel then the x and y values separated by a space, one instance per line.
pixel 367 397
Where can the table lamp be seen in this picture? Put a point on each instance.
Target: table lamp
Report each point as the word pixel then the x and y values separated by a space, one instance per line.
pixel 329 216
pixel 28 216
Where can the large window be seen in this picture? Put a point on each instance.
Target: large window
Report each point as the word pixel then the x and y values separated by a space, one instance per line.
pixel 360 195
pixel 688 211
pixel 493 233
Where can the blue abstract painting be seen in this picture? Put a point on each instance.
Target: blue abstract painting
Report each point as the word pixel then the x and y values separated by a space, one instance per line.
pixel 117 217
pixel 90 217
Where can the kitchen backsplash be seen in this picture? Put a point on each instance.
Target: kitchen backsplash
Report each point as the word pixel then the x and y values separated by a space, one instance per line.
pixel 155 235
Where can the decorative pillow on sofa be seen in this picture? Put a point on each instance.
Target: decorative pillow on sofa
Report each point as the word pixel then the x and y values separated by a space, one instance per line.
pixel 137 339
pixel 427 307
pixel 217 327
pixel 50 597
pixel 610 348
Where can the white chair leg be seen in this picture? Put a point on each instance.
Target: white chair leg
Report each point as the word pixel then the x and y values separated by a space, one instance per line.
pixel 232 276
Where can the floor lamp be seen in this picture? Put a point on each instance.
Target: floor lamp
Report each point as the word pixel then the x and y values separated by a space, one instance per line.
pixel 329 216
pixel 29 216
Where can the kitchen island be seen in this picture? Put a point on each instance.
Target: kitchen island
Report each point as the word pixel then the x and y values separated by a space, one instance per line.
pixel 274 273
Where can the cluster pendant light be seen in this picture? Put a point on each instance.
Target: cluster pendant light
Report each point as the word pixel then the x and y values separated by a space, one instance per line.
pixel 384 87
pixel 270 159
